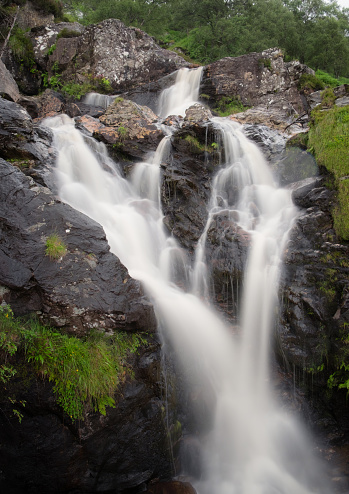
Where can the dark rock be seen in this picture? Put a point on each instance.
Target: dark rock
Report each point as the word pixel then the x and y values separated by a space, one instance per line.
pixel 86 288
pixel 313 284
pixel 119 452
pixel 175 487
pixel 227 248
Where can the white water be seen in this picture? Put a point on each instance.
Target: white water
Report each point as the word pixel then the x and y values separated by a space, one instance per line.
pixel 184 93
pixel 252 446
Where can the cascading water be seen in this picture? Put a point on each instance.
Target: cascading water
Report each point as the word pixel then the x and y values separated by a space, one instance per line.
pixel 249 444
pixel 185 92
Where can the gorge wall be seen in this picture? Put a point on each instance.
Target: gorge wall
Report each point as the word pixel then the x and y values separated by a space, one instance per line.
pixel 89 287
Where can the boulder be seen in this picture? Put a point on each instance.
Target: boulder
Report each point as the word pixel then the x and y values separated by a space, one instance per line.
pixel 129 128
pixel 108 54
pixel 86 288
pixel 262 79
pixel 8 86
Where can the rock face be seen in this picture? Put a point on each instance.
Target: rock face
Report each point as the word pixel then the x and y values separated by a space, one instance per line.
pixel 314 290
pixel 126 57
pixel 118 452
pixel 86 288
pixel 262 79
pixel 8 86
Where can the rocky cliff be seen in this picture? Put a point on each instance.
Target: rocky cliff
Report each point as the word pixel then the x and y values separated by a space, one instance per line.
pixel 89 287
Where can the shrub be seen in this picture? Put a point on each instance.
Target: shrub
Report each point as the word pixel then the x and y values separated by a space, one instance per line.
pixel 55 247
pixel 67 33
pixel 227 106
pixel 21 46
pixel 309 82
pixel 75 90
pixel 54 7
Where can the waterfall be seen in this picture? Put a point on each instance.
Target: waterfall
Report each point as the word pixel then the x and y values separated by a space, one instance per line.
pixel 248 444
pixel 185 92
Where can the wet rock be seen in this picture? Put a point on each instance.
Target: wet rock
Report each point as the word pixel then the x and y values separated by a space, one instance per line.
pixel 119 452
pixel 175 487
pixel 227 248
pixel 86 288
pixel 313 283
pixel 129 128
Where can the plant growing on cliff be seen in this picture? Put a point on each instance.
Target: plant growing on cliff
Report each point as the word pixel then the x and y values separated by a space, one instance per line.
pixel 55 247
pixel 85 372
pixel 329 140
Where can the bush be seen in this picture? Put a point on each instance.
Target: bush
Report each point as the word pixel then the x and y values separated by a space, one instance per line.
pixel 54 7
pixel 86 372
pixel 21 46
pixel 309 82
pixel 67 33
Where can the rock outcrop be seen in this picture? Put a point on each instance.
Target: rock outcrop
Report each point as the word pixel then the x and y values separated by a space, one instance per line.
pixel 258 79
pixel 120 452
pixel 8 86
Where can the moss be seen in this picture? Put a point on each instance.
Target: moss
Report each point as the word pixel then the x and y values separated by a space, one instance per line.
pixel 195 146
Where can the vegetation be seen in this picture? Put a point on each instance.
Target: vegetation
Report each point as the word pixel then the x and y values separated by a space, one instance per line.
pixel 55 247
pixel 85 372
pixel 329 140
pixel 226 106
pixel 314 32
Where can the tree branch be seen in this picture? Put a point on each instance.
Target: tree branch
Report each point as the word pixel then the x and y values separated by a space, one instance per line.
pixel 9 33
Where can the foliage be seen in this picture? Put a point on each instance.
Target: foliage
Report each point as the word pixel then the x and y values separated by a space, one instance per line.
pixel 21 46
pixel 329 139
pixel 85 373
pixel 54 7
pixel 55 247
pixel 226 106
pixel 75 90
pixel 51 49
pixel 327 98
pixel 195 146
pixel 310 82
pixel 265 62
pixel 68 33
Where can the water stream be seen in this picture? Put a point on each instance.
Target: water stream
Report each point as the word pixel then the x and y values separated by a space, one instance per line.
pixel 251 445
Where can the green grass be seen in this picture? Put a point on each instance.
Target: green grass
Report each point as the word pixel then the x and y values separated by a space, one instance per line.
pixel 329 140
pixel 55 247
pixel 329 80
pixel 86 373
pixel 227 106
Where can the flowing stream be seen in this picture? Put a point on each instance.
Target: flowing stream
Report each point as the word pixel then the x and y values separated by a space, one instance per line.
pixel 251 445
